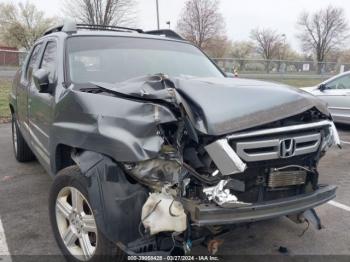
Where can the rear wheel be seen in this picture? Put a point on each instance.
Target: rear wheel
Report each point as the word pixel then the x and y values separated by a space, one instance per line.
pixel 73 221
pixel 20 147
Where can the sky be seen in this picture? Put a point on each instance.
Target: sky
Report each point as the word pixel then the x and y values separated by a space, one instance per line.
pixel 240 16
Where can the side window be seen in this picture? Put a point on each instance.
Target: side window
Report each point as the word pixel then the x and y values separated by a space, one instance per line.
pixel 342 82
pixel 33 61
pixel 49 60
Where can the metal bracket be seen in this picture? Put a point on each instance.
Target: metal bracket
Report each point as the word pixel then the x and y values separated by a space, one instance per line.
pixel 311 216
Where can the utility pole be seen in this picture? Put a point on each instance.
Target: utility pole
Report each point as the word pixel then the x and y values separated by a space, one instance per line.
pixel 157 14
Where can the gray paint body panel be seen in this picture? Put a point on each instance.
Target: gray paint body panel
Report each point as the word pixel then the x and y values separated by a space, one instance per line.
pixel 222 105
pixel 122 129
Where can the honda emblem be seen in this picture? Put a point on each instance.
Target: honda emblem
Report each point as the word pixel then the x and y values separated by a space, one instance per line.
pixel 287 147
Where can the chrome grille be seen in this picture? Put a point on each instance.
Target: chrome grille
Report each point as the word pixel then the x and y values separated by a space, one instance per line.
pixel 280 147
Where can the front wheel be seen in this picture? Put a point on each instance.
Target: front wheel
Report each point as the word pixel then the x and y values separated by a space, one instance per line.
pixel 73 221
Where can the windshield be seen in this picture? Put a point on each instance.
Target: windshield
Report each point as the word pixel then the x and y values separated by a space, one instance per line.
pixel 115 59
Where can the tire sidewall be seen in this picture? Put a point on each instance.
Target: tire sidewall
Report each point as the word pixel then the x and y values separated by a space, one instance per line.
pixel 72 177
pixel 13 123
pixel 23 152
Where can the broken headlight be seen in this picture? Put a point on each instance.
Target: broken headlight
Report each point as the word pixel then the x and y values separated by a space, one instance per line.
pixel 155 173
pixel 331 138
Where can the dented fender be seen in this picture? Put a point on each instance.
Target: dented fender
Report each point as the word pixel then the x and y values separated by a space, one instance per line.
pixel 97 122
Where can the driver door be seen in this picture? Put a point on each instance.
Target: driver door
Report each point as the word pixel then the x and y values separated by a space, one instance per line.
pixel 41 104
pixel 337 95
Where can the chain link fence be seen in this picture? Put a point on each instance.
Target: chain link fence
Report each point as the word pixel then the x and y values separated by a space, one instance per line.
pixel 281 67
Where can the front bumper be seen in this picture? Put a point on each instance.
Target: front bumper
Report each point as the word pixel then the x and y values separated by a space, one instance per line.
pixel 211 214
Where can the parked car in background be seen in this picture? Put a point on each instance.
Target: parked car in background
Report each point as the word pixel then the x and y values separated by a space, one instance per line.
pixel 336 92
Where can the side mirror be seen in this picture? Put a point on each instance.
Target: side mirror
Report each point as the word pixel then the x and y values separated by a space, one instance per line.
pixel 41 80
pixel 322 87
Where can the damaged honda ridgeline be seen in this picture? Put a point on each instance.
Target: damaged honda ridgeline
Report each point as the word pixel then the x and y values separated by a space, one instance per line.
pixel 153 149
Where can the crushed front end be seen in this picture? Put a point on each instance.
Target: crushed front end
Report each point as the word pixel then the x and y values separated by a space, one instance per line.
pixel 267 172
pixel 210 175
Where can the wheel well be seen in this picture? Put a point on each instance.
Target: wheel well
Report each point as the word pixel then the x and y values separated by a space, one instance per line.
pixel 63 157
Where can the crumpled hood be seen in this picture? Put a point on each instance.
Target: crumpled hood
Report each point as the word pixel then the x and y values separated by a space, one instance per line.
pixel 220 106
pixel 230 105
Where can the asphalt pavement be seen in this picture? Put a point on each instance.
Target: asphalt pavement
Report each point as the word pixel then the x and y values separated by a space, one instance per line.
pixel 24 190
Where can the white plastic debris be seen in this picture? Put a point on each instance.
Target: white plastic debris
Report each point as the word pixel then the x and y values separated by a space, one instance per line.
pixel 221 196
pixel 162 213
pixel 335 134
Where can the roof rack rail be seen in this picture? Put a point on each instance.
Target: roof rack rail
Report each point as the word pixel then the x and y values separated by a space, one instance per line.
pixel 165 32
pixel 107 28
pixel 69 26
pixel 53 29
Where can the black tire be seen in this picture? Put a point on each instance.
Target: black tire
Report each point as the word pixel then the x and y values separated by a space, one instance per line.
pixel 105 249
pixel 20 147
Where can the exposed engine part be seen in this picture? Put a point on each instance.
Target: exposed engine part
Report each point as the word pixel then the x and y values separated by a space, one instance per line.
pixel 204 179
pixel 286 178
pixel 225 158
pixel 221 196
pixel 155 173
pixel 162 213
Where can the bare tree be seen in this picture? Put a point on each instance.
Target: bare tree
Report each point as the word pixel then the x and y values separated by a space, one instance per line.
pixel 201 22
pixel 268 43
pixel 102 12
pixel 323 32
pixel 21 25
pixel 345 57
pixel 218 47
pixel 241 50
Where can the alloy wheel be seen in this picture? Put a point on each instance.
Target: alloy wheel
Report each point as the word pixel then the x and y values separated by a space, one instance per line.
pixel 76 223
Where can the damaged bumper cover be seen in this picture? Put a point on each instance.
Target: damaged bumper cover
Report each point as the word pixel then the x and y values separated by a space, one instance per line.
pixel 211 214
